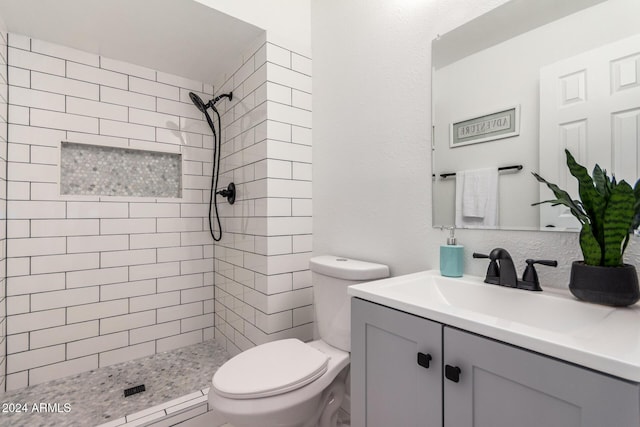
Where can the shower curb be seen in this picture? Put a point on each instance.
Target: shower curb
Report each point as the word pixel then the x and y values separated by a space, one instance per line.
pixel 166 414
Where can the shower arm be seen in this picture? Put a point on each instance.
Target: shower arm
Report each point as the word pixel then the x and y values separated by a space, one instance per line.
pixel 215 100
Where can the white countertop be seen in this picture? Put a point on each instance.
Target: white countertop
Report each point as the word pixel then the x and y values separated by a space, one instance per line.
pixel 554 323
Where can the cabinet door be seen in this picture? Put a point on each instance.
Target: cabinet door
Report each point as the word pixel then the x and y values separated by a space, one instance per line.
pixel 388 386
pixel 504 386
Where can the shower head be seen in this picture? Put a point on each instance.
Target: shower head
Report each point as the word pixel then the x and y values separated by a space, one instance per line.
pixel 198 102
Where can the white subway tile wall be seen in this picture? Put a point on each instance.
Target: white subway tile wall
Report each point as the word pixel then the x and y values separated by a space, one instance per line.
pixel 94 280
pixel 262 280
pixel 3 205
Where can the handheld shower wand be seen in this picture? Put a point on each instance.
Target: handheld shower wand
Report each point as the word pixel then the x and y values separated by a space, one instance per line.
pixel 202 106
pixel 230 191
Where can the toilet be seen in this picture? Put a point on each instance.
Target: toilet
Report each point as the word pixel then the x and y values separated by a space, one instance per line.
pixel 289 383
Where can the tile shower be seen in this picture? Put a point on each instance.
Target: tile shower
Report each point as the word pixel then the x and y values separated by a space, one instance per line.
pixel 95 278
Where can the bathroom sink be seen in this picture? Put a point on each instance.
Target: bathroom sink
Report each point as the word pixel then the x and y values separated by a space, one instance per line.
pixel 551 322
pixel 501 305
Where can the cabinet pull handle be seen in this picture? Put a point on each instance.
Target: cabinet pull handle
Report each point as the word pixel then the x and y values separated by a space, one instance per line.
pixel 424 359
pixel 452 373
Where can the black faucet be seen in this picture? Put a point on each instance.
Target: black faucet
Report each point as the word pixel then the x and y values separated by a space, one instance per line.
pixel 501 270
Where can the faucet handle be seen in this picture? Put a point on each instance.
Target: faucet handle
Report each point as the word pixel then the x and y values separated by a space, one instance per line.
pixel 550 263
pixel 493 271
pixel 530 277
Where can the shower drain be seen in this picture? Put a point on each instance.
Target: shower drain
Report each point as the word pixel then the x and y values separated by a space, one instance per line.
pixel 134 390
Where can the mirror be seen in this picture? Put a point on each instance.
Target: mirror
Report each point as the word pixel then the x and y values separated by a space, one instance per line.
pixel 515 87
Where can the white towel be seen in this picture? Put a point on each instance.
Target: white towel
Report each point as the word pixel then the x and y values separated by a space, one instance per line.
pixel 477 198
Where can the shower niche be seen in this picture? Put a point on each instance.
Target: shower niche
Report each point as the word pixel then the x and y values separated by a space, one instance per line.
pixel 93 170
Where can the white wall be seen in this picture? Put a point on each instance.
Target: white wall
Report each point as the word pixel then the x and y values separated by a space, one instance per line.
pixel 262 278
pixel 263 283
pixel 287 22
pixel 372 191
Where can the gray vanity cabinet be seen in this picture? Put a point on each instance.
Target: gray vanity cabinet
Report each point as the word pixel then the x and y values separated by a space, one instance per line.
pixel 498 385
pixel 505 386
pixel 388 386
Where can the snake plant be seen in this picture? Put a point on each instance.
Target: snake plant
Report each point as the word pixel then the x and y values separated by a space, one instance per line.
pixel 608 211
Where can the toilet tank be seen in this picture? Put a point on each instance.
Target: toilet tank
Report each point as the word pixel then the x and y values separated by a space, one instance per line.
pixel 330 276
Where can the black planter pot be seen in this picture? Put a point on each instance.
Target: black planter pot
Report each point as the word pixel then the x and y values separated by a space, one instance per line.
pixel 616 286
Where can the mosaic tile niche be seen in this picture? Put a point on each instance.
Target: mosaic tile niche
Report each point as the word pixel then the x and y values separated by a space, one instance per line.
pixel 111 171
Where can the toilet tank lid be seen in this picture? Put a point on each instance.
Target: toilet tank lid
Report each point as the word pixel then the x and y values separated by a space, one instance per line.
pixel 347 269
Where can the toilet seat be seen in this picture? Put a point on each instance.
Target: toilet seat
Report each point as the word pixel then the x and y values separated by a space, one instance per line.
pixel 287 409
pixel 270 369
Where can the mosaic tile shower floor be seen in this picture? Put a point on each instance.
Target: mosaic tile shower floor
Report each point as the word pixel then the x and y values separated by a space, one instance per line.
pixel 96 397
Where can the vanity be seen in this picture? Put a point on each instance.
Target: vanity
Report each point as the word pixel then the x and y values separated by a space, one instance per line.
pixel 511 90
pixel 429 350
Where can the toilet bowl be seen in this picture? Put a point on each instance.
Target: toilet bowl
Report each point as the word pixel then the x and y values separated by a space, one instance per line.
pixel 288 383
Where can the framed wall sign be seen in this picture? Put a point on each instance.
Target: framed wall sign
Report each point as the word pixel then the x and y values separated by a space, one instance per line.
pixel 501 124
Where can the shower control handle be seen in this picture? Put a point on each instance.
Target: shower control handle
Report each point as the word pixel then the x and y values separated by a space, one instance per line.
pixel 229 193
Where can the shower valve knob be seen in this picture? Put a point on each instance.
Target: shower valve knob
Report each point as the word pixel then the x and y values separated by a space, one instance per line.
pixel 229 193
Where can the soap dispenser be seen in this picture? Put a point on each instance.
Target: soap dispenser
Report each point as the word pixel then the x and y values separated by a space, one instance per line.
pixel 451 256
